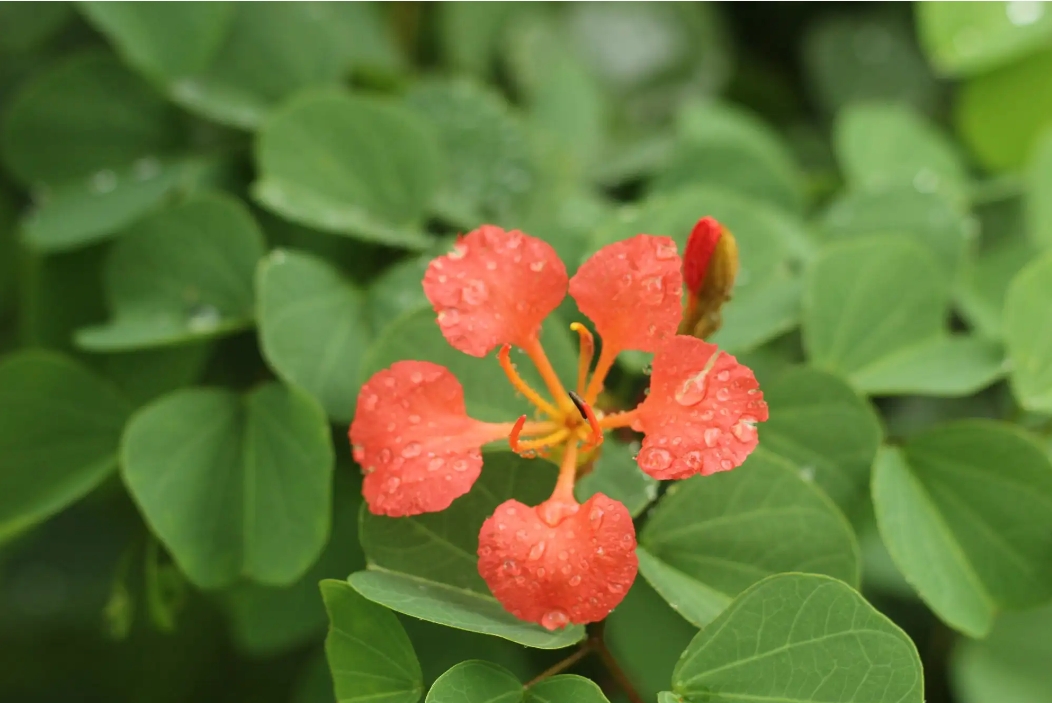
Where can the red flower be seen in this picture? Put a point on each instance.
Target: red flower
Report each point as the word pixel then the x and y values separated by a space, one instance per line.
pixel 559 562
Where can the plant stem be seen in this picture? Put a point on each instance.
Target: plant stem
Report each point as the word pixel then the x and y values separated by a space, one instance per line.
pixel 586 648
pixel 618 674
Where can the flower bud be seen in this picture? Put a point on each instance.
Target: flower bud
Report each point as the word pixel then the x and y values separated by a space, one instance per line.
pixel 710 265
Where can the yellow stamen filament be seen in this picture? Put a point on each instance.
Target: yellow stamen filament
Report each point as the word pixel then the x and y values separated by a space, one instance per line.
pixel 602 368
pixel 521 386
pixel 542 442
pixel 609 422
pixel 535 351
pixel 567 474
pixel 584 358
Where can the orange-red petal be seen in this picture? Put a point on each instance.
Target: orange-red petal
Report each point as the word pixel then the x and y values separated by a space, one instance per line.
pixel 699 250
pixel 632 290
pixel 494 288
pixel 412 436
pixel 576 571
pixel 700 416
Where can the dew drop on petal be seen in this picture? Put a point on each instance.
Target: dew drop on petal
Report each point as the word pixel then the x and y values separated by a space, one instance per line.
pixel 665 251
pixel 461 465
pixel 712 436
pixel 371 402
pixel 541 572
pixel 537 266
pixel 564 555
pixel 744 430
pixel 393 483
pixel 595 517
pixel 727 464
pixel 723 376
pixel 416 377
pixel 536 552
pixel 575 581
pixel 694 460
pixel 654 459
pixel 653 292
pixel 474 293
pixel 512 567
pixel 385 455
pixel 615 588
pixel 436 464
pixel 411 450
pixel 521 535
pixel 723 394
pixel 692 391
pixel 554 619
pixel 414 419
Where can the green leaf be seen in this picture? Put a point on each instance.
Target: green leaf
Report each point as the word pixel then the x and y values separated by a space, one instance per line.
pixel 76 213
pixel 1010 665
pixel 1001 114
pixel 349 165
pixel 24 27
pixel 955 365
pixel 313 328
pixel 369 654
pixel 711 537
pixel 182 274
pixel 273 50
pixel 800 639
pixel 771 243
pixel 616 475
pixel 965 510
pixel 723 145
pixel 880 145
pixel 470 34
pixel 869 299
pixel 147 374
pixel 426 566
pixel 1026 332
pixel 564 688
pixel 59 431
pixel 163 40
pixel 233 486
pixel 928 219
pixel 486 146
pixel 487 392
pixel 1038 194
pixel 83 115
pixel 476 682
pixel 57 294
pixel 266 621
pixel 819 423
pixel 966 38
pixel 398 290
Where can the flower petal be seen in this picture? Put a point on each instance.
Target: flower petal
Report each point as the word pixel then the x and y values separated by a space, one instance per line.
pixel 494 288
pixel 412 436
pixel 632 290
pixel 701 414
pixel 576 571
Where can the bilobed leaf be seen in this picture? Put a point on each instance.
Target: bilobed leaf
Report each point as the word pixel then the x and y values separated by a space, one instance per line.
pixel 349 165
pixel 488 394
pixel 85 114
pixel 476 682
pixel 370 656
pixel 487 149
pixel 1028 305
pixel 86 210
pixel 233 486
pixel 427 565
pixel 616 475
pixel 313 328
pixel 1001 114
pixel 711 537
pixel 146 374
pixel 1010 665
pixel 818 422
pixel 885 144
pixel 966 38
pixel 163 40
pixel 59 429
pixel 799 638
pixel 869 299
pixel 565 688
pixel 965 510
pixel 182 274
pixel 945 366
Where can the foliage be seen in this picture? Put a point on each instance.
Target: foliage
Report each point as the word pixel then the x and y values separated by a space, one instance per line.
pixel 214 223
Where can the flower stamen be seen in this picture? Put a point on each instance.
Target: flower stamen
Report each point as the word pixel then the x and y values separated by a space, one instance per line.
pixel 606 361
pixel 588 414
pixel 503 356
pixel 584 359
pixel 615 420
pixel 535 351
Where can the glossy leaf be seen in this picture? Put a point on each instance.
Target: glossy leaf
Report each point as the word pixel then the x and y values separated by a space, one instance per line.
pixel 818 422
pixel 349 165
pixel 59 431
pixel 181 274
pixel 1029 345
pixel 313 328
pixel 965 510
pixel 867 300
pixel 369 654
pixel 800 639
pixel 84 115
pixel 946 366
pixel 1010 664
pixel 476 682
pixel 711 537
pixel 616 475
pixel 233 486
pixel 964 38
pixel 565 687
pixel 426 565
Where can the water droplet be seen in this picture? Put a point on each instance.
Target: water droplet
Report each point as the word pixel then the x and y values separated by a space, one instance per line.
pixel 537 551
pixel 491 265
pixel 541 572
pixel 695 460
pixel 371 401
pixel 511 567
pixel 654 459
pixel 564 555
pixel 385 455
pixel 554 619
pixel 537 266
pixel 416 377
pixel 595 517
pixel 146 168
pixel 485 551
pixel 461 466
pixel 103 181
pixel 575 581
pixel 665 251
pixel 599 551
pixel 474 292
pixel 358 452
pixel 521 535
pixel 414 419
pixel 653 290
pixel 712 436
pixel 627 540
pixel 393 483
pixel 745 430
pixel 436 464
pixel 411 450
pixel 723 376
pixel 458 252
pixel 501 527
pixel 1022 13
pixel 692 391
pixel 726 464
pixel 723 394
pixel 615 588
pixel 203 318
pixel 807 473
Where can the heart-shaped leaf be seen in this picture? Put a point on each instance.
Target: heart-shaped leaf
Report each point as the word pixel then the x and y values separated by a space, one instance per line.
pixel 1029 345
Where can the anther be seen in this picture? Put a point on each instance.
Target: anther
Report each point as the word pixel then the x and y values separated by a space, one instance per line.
pixel 513 438
pixel 586 413
pixel 584 358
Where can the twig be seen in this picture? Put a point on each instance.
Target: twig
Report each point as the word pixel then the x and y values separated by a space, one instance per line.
pixel 618 674
pixel 586 648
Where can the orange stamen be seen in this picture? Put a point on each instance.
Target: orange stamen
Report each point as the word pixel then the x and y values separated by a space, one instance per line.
pixel 563 492
pixel 535 351
pixel 602 368
pixel 584 359
pixel 543 442
pixel 586 412
pixel 513 438
pixel 503 356
pixel 609 422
